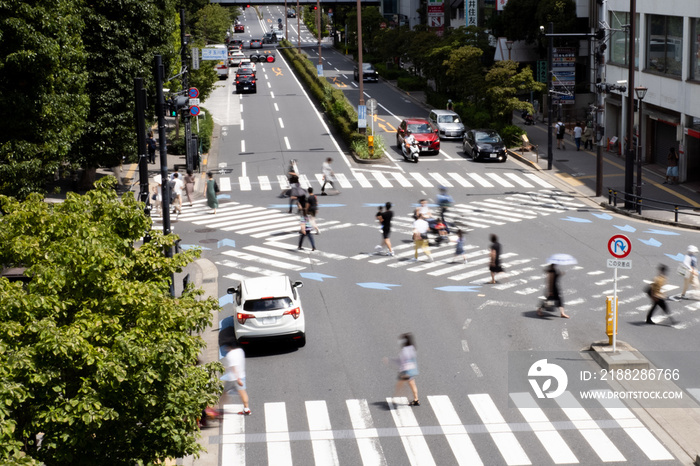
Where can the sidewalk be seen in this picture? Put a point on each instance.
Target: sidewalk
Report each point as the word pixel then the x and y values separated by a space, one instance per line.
pixel 578 170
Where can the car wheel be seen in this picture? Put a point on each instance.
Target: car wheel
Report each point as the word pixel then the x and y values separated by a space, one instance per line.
pixel 301 342
pixel 398 142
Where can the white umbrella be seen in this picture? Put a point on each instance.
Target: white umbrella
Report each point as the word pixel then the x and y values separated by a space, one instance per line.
pixel 157 179
pixel 562 259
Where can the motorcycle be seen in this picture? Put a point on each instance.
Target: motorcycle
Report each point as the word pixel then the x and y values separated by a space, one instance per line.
pixel 529 119
pixel 414 152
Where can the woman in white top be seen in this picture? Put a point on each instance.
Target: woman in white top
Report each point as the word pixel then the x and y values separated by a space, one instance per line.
pixel 408 368
pixel 690 261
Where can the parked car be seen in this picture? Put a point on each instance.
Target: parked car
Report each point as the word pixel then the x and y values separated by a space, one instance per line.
pixel 238 28
pixel 368 73
pixel 484 144
pixel 235 57
pixel 268 308
pixel 425 132
pixel 256 44
pixel 448 122
pixel 246 83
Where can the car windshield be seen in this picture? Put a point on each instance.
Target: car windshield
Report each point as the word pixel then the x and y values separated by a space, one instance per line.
pixel 490 137
pixel 267 304
pixel 367 67
pixel 448 119
pixel 421 128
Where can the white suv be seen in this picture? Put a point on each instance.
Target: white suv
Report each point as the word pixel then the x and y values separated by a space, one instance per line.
pixel 268 307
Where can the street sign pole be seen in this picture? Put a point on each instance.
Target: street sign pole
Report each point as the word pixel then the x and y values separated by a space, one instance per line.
pixel 619 247
pixel 615 311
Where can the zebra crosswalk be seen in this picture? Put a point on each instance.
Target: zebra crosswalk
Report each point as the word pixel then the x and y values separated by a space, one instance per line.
pixel 604 430
pixel 380 179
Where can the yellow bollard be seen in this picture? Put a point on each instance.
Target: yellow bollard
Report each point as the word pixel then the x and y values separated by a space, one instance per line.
pixel 610 317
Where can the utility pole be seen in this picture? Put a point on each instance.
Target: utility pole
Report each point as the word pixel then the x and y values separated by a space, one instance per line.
pixel 165 189
pixel 599 60
pixel 189 153
pixel 359 60
pixel 140 94
pixel 629 150
pixel 550 114
pixel 318 27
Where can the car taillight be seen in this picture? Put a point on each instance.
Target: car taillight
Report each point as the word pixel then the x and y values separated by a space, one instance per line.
pixel 293 312
pixel 243 317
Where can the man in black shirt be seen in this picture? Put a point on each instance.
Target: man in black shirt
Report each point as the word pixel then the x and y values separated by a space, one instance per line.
pixel 385 219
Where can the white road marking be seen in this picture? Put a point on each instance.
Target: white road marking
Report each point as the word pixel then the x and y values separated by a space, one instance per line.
pixel 379 176
pixel 499 180
pixel 441 180
pixel 362 180
pixel 233 430
pixel 410 432
pixel 538 181
pixel 476 370
pixel 242 145
pixel 479 179
pixel 402 180
pixel 244 183
pixel 264 183
pixel 225 184
pixel 500 432
pixel 453 428
pixel 242 125
pixel 365 433
pixel 286 143
pixel 421 180
pixel 321 433
pixel 279 451
pixel 519 180
pixel 281 122
pixel 459 179
pixel 342 179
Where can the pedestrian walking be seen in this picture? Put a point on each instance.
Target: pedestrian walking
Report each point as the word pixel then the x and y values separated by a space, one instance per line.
pixel 312 208
pixel 587 137
pixel 450 106
pixel 234 377
pixel 444 201
pixel 408 368
pixel 328 177
pixel 420 238
pixel 656 294
pixel 212 190
pixel 561 131
pixel 151 144
pixel 672 168
pixel 384 218
pixel 176 188
pixel 495 258
pixel 305 232
pixel 157 196
pixel 690 270
pixel 553 294
pixel 578 132
pixel 459 247
pixel 189 185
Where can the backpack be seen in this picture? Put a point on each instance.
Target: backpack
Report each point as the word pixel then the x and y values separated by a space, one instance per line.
pixel 561 129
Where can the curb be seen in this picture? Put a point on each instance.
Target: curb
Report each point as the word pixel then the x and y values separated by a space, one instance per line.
pixel 521 158
pixel 659 221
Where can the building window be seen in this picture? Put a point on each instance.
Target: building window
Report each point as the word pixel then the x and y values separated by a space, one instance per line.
pixel 665 44
pixel 619 40
pixel 695 48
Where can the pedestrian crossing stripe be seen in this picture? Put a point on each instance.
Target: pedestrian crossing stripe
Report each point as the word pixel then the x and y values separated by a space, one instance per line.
pixel 391 179
pixel 509 438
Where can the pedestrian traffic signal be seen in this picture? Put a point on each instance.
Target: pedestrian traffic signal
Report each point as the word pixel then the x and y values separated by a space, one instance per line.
pixel 177 103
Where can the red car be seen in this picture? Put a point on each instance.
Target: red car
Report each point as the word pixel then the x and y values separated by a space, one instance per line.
pixel 424 131
pixel 238 28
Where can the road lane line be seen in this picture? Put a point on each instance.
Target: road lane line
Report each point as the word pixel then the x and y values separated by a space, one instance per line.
pixel 410 432
pixel 264 183
pixel 500 432
pixel 242 145
pixel 459 179
pixel 242 125
pixel 343 180
pixel 518 180
pixel 321 433
pixel 379 176
pixel 281 122
pixel 365 433
pixel 279 451
pixel 360 177
pixel 421 180
pixel 441 180
pixel 454 431
pixel 402 180
pixel 233 436
pixel 286 143
pixel 479 179
pixel 224 184
pixel 244 183
pixel 276 107
pixel 551 440
pixel 538 181
pixel 499 180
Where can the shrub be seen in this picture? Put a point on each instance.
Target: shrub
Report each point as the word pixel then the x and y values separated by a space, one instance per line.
pixel 411 83
pixel 206 128
pixel 511 134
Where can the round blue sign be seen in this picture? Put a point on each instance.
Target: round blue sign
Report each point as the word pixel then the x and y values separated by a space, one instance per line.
pixel 194 110
pixel 193 92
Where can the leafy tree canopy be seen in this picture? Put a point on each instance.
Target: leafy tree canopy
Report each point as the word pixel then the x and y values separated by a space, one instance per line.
pixel 503 85
pixel 99 361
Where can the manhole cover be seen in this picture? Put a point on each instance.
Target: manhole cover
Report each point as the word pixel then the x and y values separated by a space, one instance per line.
pixel 210 240
pixel 205 230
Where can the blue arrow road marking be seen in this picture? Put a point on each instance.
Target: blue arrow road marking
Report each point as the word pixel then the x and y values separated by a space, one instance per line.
pixel 315 276
pixel 191 246
pixel 661 232
pixel 576 219
pixel 377 286
pixel 226 242
pixel 627 228
pixel 603 216
pixel 223 196
pixel 226 299
pixel 651 242
pixel 369 204
pixel 463 289
pixel 678 257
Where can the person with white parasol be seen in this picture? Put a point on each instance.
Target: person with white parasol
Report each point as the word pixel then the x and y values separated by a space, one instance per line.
pixel 158 193
pixel 553 275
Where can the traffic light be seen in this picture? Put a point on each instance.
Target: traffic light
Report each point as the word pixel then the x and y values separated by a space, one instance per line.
pixel 315 8
pixel 177 103
pixel 600 34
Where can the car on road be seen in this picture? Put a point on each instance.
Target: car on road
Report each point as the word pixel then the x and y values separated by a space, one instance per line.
pixel 235 44
pixel 268 308
pixel 238 28
pixel 368 73
pixel 222 70
pixel 425 132
pixel 270 38
pixel 291 13
pixel 246 71
pixel 449 124
pixel 280 34
pixel 484 144
pixel 246 83
pixel 235 57
pixel 247 64
pixel 256 44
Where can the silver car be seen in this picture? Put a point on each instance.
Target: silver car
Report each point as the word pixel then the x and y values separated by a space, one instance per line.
pixel 448 122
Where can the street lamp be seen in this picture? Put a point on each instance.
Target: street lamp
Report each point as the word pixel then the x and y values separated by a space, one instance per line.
pixel 641 93
pixel 509 45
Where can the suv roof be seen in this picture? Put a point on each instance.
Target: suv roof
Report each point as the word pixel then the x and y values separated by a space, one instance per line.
pixel 443 112
pixel 265 287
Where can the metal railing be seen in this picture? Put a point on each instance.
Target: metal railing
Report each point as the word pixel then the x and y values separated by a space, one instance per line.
pixel 638 201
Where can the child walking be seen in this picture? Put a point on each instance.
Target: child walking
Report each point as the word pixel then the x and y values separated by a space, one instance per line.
pixel 459 248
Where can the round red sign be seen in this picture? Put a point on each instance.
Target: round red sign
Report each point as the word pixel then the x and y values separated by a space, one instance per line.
pixel 619 246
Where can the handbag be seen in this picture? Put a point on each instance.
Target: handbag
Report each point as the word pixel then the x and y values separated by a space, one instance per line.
pixel 683 271
pixel 216 187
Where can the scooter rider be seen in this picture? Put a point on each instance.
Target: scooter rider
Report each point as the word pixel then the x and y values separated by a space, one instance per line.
pixel 409 141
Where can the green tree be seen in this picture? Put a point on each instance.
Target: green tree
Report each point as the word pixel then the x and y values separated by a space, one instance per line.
pixel 211 24
pixel 503 85
pixel 42 83
pixel 464 73
pixel 98 359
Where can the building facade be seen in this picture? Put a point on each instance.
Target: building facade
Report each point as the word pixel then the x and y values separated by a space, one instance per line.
pixel 667 49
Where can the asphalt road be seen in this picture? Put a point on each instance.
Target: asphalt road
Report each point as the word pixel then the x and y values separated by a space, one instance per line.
pixel 326 403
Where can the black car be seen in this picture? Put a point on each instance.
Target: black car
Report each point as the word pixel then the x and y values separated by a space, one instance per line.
pixel 291 13
pixel 368 73
pixel 246 83
pixel 270 38
pixel 484 144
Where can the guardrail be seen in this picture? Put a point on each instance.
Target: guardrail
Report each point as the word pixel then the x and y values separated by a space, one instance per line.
pixel 638 201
